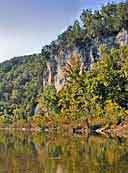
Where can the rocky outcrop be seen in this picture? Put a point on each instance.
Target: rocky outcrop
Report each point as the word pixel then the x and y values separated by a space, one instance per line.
pixel 122 38
pixel 88 51
pixel 115 130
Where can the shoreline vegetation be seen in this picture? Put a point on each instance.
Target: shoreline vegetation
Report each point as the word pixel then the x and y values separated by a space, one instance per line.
pixel 117 131
pixel 92 100
pixel 83 129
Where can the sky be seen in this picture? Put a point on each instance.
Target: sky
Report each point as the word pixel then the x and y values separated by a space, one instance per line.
pixel 27 25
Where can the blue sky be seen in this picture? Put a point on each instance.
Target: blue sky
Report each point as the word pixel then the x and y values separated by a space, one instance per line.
pixel 27 25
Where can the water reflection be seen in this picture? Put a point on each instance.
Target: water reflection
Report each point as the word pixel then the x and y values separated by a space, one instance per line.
pixel 32 153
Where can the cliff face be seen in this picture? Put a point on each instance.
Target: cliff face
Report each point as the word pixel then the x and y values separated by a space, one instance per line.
pixel 89 54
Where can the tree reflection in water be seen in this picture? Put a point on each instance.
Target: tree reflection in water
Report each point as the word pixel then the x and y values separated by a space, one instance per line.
pixel 34 153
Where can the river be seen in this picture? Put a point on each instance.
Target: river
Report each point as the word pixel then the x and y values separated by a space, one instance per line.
pixel 50 153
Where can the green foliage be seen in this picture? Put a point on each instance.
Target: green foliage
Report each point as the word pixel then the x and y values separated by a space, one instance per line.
pixel 22 82
pixel 49 101
pixel 99 92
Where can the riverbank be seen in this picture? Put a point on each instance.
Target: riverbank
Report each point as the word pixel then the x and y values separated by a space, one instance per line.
pixel 81 127
pixel 120 130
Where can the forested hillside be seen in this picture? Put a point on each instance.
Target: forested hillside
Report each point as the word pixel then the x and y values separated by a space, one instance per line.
pixel 21 82
pixel 82 73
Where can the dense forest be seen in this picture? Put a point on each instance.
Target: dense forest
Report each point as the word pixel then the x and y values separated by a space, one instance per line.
pixel 92 56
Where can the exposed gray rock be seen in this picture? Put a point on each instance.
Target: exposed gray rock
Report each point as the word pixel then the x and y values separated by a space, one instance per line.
pixel 89 53
pixel 122 38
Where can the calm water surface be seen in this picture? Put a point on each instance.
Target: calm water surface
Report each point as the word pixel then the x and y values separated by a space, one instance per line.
pixel 32 153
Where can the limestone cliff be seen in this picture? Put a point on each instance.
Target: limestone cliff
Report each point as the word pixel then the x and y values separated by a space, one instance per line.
pixel 89 53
